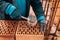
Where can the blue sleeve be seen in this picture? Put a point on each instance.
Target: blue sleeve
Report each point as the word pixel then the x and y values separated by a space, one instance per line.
pixel 38 9
pixel 6 7
pixel 10 9
pixel 41 19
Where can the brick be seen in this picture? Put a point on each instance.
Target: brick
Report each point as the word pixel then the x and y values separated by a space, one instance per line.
pixel 29 37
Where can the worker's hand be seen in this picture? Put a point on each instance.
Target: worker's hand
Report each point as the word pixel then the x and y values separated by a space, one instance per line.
pixel 42 22
pixel 42 26
pixel 32 21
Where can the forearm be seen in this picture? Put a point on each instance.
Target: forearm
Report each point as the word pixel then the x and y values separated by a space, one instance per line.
pixel 38 9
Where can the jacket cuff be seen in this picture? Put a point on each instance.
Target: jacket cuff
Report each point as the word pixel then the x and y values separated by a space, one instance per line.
pixel 9 10
pixel 41 18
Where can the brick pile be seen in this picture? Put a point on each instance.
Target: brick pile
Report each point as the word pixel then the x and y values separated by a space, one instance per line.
pixel 18 27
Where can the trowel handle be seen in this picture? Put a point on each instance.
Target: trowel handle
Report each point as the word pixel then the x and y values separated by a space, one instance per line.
pixel 24 18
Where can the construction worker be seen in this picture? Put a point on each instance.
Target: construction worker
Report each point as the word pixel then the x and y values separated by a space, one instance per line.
pixel 14 9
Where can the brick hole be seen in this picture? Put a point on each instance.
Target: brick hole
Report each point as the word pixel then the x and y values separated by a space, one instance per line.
pixel 0 32
pixel 11 23
pixel 20 25
pixel 30 26
pixel 23 32
pixel 3 31
pixel 38 28
pixel 21 22
pixel 37 25
pixel 13 27
pixel 14 23
pixel 19 30
pixel 27 29
pixel 6 24
pixel 12 30
pixel 27 25
pixel 33 29
pixel 37 33
pixel 31 33
pixel 19 33
pixel 34 26
pixel 8 27
pixel 0 29
pixel 1 24
pixel 8 31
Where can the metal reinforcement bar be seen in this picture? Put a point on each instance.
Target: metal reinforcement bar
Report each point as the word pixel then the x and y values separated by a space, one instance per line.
pixel 52 15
